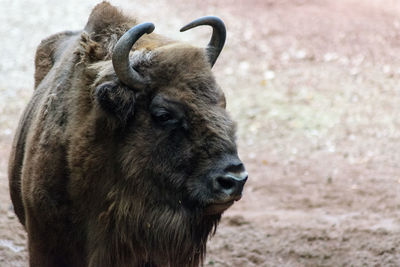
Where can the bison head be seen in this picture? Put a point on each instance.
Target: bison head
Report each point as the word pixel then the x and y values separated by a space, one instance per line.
pixel 175 131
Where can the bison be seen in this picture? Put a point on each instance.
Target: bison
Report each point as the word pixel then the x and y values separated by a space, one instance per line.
pixel 125 155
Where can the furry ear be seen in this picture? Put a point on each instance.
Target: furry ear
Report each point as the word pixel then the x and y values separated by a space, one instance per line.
pixel 116 100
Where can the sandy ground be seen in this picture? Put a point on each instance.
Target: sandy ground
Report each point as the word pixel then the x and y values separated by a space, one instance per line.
pixel 315 88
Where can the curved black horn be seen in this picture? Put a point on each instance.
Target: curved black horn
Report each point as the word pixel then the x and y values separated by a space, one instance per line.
pixel 120 57
pixel 218 35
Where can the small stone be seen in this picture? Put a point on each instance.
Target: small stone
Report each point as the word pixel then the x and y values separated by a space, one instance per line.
pixel 10 215
pixel 269 75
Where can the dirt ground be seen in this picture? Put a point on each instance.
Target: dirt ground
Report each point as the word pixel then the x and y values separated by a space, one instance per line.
pixel 315 88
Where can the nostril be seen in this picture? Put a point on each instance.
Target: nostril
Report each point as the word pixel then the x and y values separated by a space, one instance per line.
pixel 226 183
pixel 239 177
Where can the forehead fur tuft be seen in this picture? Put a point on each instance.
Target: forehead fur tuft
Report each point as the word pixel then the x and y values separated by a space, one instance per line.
pixel 180 61
pixel 106 24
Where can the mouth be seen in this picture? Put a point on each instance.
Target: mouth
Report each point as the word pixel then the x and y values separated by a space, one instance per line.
pixel 219 207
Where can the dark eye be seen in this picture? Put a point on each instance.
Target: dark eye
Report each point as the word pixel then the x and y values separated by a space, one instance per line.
pixel 163 117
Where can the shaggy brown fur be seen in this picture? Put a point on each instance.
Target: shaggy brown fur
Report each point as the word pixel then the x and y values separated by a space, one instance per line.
pixel 94 177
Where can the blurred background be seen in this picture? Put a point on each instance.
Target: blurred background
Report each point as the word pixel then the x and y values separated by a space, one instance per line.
pixel 315 88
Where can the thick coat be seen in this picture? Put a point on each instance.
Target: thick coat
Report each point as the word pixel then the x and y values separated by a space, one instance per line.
pixel 106 174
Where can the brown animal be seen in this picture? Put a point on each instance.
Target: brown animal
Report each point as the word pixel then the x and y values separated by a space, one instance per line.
pixel 125 155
